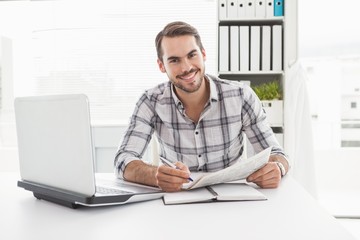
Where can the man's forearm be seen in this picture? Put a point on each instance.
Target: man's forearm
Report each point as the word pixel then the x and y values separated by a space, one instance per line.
pixel 139 172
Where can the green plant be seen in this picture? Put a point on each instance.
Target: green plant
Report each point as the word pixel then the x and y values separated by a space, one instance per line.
pixel 268 91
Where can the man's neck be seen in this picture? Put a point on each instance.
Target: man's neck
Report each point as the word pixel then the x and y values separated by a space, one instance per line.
pixel 195 102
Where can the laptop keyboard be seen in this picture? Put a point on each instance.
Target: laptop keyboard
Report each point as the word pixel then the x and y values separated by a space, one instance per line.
pixel 110 191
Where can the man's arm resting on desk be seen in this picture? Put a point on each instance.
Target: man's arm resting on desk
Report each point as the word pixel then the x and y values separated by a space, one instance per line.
pixel 269 176
pixel 168 179
pixel 140 172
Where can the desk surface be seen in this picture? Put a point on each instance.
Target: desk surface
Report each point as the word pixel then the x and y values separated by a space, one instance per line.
pixel 289 213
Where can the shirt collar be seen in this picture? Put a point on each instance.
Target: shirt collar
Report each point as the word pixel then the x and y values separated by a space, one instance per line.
pixel 214 96
pixel 177 101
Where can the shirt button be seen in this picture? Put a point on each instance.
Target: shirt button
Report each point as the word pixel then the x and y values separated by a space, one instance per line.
pixel 199 156
pixel 196 132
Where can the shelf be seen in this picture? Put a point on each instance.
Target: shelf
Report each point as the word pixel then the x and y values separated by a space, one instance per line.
pixel 253 78
pixel 245 21
pixel 249 73
pixel 283 45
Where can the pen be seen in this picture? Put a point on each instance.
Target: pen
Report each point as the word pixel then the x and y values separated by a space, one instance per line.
pixel 170 164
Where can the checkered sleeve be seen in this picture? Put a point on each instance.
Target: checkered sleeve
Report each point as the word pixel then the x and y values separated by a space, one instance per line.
pixel 137 136
pixel 256 126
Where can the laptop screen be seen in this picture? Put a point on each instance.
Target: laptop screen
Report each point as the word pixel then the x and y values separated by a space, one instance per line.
pixel 54 140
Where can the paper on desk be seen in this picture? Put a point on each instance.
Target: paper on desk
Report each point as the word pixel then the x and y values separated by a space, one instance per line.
pixel 240 170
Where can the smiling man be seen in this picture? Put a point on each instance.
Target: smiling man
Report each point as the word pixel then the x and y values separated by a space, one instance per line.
pixel 198 119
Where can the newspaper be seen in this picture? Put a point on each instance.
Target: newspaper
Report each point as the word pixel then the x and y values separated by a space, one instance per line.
pixel 240 170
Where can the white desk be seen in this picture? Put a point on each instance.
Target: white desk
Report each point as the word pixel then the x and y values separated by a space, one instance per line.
pixel 289 213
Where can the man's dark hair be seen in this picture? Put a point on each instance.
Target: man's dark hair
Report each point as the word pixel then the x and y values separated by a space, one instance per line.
pixel 175 29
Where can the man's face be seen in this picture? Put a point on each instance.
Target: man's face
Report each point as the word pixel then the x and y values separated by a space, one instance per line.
pixel 183 62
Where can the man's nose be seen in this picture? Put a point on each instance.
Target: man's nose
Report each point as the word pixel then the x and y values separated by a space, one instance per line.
pixel 186 65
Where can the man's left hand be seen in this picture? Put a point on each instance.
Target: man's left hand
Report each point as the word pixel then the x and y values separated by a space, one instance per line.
pixel 269 176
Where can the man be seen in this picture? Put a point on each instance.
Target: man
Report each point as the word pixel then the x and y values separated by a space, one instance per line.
pixel 199 120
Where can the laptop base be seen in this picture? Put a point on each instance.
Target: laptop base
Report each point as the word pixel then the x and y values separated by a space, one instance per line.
pixel 48 194
pixel 56 200
pixel 73 200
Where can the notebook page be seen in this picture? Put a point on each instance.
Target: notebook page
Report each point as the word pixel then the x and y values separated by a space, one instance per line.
pixel 228 192
pixel 191 196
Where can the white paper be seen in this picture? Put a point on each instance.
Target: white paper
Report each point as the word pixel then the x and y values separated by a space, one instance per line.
pixel 234 46
pixel 237 192
pixel 255 48
pixel 244 48
pixel 277 48
pixel 240 170
pixel 191 196
pixel 266 48
pixel 224 48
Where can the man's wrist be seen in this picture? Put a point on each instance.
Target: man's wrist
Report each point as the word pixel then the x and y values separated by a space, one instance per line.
pixel 281 162
pixel 281 167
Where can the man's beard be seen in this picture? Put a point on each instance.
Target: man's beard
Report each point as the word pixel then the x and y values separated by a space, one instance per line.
pixel 179 84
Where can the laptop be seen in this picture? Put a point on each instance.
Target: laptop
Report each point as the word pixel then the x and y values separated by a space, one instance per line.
pixel 56 155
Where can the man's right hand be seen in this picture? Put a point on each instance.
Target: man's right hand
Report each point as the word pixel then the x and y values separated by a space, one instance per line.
pixel 170 179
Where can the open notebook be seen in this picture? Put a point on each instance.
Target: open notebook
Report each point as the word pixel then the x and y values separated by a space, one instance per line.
pixel 220 192
pixel 215 186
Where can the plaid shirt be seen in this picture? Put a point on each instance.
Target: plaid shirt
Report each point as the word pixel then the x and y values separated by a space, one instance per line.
pixel 214 143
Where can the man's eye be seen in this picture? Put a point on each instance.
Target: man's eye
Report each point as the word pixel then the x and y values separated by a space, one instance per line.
pixel 192 55
pixel 174 61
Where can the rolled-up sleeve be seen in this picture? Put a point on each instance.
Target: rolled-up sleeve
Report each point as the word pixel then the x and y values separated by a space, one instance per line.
pixel 137 136
pixel 256 126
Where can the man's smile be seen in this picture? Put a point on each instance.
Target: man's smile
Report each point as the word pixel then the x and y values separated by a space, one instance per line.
pixel 188 76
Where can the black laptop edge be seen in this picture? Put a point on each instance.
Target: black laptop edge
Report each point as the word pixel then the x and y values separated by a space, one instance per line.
pixel 73 200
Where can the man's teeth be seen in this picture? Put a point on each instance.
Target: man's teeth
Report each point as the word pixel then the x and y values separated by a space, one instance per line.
pixel 189 76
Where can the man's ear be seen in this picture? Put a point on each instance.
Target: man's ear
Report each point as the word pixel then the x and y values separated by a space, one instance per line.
pixel 161 66
pixel 203 52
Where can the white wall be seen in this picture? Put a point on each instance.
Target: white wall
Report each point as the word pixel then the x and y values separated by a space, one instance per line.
pixel 17 19
pixel 349 113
